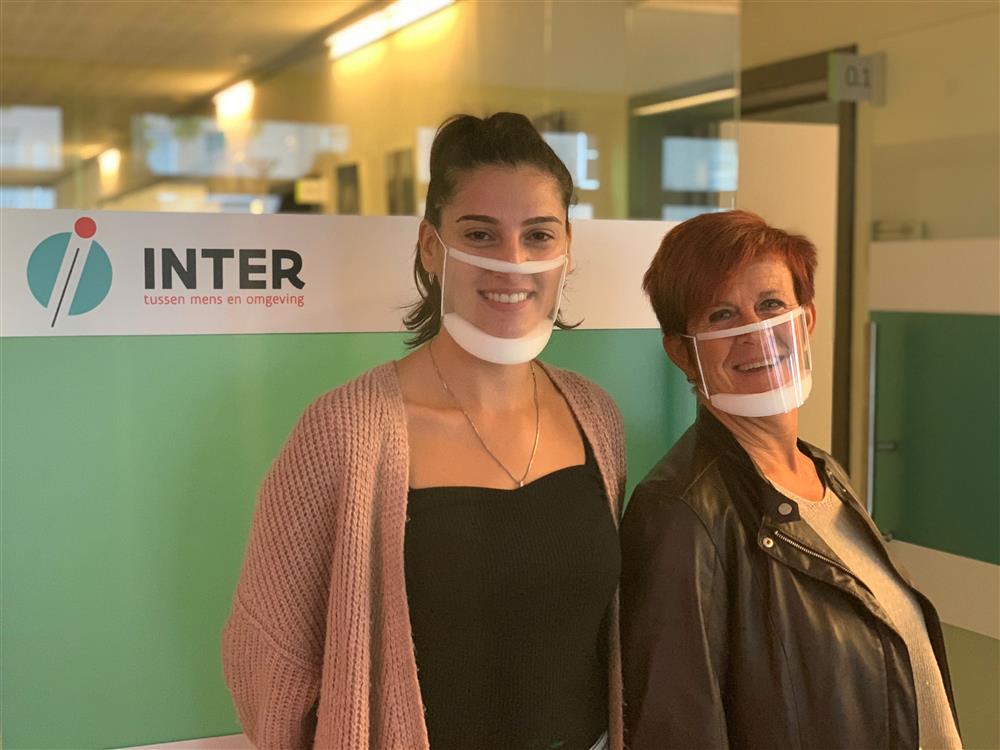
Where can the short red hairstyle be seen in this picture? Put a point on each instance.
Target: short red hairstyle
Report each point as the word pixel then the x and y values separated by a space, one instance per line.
pixel 700 255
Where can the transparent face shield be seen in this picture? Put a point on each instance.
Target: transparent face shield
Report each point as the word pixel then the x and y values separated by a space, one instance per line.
pixel 756 370
pixel 499 311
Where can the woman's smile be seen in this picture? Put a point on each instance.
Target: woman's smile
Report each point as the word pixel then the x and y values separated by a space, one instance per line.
pixel 759 371
pixel 507 300
pixel 757 366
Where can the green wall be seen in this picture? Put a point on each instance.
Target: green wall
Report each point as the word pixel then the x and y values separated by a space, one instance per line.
pixel 130 466
pixel 938 400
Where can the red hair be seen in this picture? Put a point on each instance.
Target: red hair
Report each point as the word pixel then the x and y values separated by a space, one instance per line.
pixel 697 257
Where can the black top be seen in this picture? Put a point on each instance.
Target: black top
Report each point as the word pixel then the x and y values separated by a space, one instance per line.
pixel 509 592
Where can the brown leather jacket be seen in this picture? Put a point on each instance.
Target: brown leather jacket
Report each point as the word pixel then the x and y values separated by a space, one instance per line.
pixel 740 626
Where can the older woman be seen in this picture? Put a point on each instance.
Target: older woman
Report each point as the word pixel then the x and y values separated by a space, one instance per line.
pixel 760 607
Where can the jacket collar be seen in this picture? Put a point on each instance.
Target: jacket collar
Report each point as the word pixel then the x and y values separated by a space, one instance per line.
pixel 768 500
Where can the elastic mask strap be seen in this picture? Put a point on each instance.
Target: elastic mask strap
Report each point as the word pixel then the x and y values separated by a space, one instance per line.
pixel 444 270
pixel 751 327
pixel 697 359
pixel 502 266
pixel 562 285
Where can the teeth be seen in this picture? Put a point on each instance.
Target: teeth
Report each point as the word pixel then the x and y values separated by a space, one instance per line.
pixel 507 299
pixel 756 365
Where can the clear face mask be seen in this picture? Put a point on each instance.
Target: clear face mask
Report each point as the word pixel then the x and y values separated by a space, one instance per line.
pixel 498 311
pixel 756 370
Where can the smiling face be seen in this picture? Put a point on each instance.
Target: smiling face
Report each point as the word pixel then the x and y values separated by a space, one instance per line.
pixel 511 215
pixel 752 361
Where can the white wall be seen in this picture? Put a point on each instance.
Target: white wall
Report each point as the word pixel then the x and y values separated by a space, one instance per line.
pixel 788 174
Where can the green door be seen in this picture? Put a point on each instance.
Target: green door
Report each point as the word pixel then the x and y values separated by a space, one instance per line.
pixel 937 431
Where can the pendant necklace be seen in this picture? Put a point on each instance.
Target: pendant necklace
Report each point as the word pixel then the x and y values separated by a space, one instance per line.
pixel 534 448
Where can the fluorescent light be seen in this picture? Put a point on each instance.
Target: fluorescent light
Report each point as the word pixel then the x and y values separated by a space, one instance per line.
pixel 713 7
pixel 358 35
pixel 380 24
pixel 686 102
pixel 109 161
pixel 404 12
pixel 233 105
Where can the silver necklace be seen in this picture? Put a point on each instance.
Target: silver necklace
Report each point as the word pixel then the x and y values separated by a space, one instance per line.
pixel 534 448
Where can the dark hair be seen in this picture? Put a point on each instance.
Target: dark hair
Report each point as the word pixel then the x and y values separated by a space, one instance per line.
pixel 699 255
pixel 464 143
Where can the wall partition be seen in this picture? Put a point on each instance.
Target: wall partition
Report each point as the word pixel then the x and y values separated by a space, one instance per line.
pixel 138 420
pixel 933 294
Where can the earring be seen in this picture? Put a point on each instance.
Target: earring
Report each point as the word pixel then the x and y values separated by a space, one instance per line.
pixel 430 276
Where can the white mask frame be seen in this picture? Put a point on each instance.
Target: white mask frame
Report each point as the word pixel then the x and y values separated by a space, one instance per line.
pixel 780 398
pixel 485 346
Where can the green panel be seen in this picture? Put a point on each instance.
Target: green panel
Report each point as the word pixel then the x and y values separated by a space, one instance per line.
pixel 974 661
pixel 654 397
pixel 938 401
pixel 130 466
pixel 129 471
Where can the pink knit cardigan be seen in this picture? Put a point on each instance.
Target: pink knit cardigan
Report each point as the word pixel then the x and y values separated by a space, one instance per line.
pixel 319 616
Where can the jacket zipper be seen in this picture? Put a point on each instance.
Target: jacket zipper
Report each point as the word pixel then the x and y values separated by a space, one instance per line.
pixel 809 551
pixel 893 731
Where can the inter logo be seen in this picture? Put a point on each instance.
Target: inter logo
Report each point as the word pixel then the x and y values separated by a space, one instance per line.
pixel 70 273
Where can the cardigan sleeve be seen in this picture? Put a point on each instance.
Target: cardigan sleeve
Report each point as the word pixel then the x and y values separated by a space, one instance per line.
pixel 611 428
pixel 618 435
pixel 272 644
pixel 274 691
pixel 598 414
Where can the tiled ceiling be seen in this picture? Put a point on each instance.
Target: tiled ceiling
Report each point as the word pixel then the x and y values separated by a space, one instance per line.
pixel 103 60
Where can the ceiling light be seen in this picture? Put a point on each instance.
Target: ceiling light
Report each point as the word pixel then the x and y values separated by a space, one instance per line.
pixel 671 105
pixel 713 7
pixel 109 161
pixel 233 105
pixel 380 24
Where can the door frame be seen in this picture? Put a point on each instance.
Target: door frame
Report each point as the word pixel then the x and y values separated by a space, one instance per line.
pixel 804 80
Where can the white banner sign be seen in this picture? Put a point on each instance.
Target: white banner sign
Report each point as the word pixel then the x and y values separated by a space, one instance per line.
pixel 73 273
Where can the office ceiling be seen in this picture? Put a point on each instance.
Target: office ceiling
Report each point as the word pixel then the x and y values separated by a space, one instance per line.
pixel 103 60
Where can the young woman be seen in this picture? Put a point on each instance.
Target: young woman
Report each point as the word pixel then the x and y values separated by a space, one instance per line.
pixel 434 559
